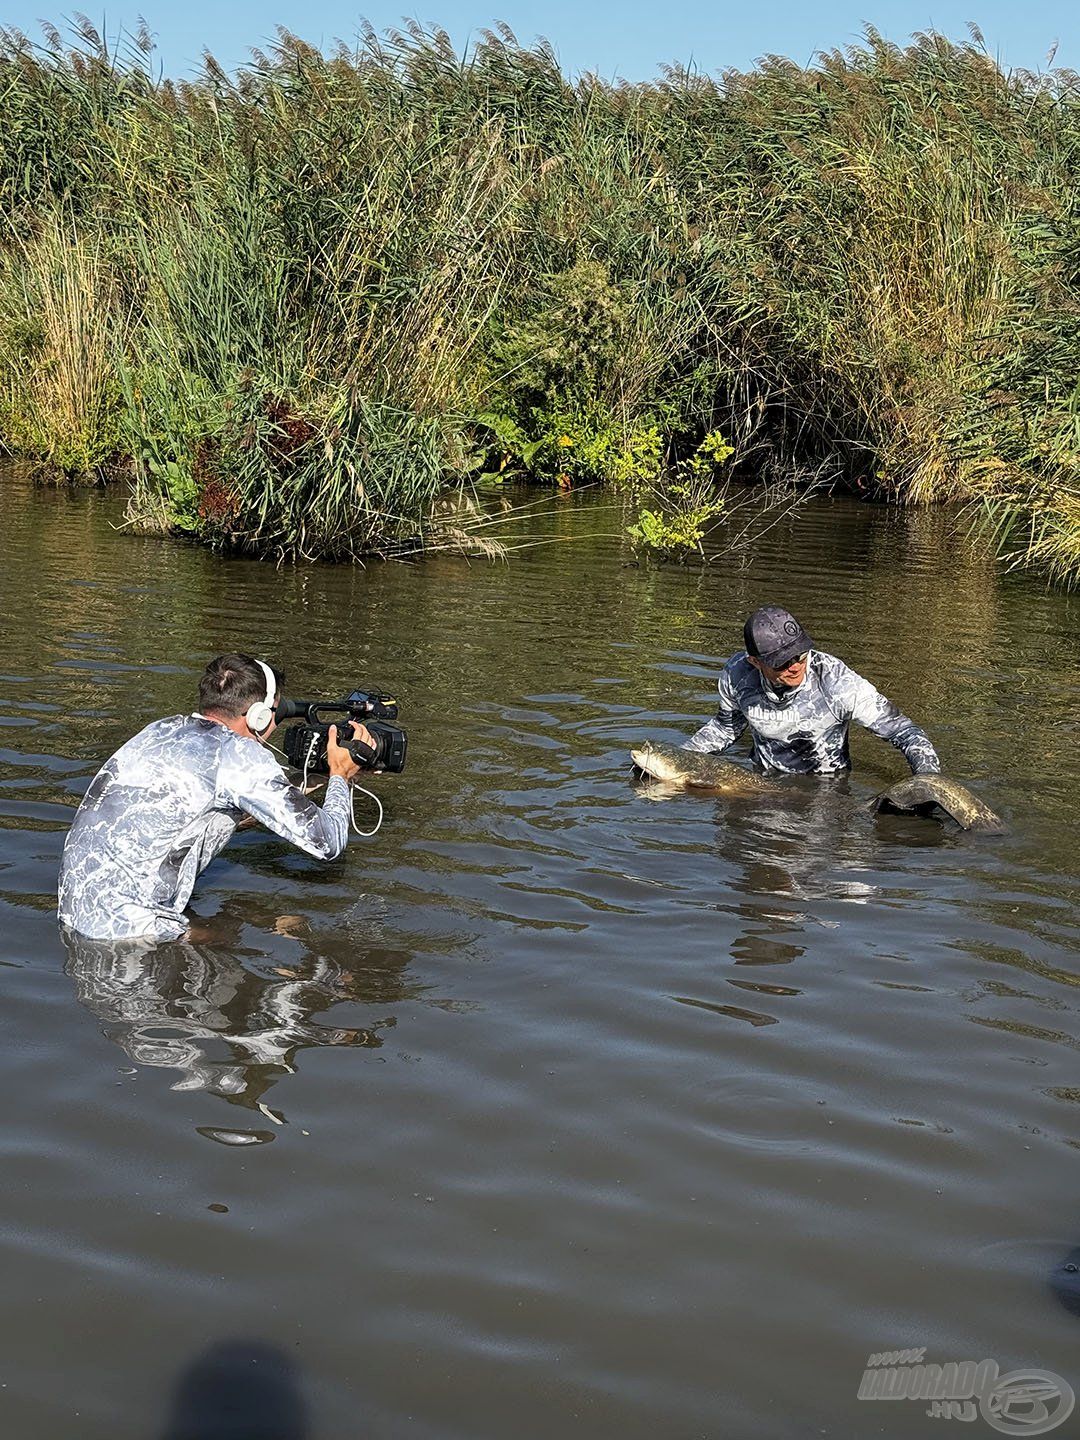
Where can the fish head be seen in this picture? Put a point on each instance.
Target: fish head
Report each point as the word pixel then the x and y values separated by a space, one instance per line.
pixel 659 763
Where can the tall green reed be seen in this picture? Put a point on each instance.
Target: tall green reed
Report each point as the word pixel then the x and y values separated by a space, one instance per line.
pixel 318 291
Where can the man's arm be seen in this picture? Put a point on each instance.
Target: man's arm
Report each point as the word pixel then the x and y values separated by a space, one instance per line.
pixel 871 709
pixel 726 725
pixel 256 784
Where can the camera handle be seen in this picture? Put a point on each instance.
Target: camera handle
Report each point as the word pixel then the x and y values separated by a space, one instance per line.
pixel 360 705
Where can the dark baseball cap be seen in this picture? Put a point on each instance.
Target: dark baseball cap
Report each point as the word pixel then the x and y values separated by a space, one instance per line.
pixel 775 637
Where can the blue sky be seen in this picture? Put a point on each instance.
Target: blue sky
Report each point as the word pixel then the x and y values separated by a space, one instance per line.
pixel 611 38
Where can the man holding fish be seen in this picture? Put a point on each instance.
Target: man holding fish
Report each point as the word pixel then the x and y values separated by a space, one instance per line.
pixel 798 704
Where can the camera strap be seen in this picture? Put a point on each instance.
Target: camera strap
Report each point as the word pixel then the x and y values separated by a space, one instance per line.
pixel 353 787
pixel 361 750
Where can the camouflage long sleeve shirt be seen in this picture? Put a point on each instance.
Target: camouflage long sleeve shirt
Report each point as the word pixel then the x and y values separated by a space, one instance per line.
pixel 158 812
pixel 805 731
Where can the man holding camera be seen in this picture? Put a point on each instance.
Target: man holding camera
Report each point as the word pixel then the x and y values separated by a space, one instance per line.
pixel 158 812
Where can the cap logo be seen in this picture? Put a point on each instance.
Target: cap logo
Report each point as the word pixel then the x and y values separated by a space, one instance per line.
pixel 790 628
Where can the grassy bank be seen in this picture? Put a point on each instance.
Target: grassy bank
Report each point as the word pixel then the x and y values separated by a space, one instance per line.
pixel 291 305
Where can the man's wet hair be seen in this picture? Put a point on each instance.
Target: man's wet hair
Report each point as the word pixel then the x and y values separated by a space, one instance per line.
pixel 231 683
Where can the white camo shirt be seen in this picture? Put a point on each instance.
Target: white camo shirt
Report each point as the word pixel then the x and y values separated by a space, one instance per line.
pixel 158 812
pixel 805 731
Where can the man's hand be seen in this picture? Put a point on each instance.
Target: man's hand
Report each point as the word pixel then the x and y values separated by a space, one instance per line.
pixel 338 759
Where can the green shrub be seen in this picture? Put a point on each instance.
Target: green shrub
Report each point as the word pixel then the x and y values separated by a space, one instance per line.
pixel 295 303
pixel 688 503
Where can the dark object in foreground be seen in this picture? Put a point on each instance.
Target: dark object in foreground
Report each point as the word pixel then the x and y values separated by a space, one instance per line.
pixel 933 794
pixel 239 1390
pixel 305 745
pixel 1065 1281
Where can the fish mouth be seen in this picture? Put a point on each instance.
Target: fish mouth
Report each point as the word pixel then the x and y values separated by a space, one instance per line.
pixel 650 768
pixel 646 760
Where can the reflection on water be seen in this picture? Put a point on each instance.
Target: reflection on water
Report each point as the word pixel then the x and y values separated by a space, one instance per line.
pixel 776 854
pixel 607 1115
pixel 218 1011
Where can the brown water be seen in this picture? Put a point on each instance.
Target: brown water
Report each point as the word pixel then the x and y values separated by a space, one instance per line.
pixel 591 1115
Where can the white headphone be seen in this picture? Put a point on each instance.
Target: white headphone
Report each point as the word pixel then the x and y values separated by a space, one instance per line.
pixel 260 715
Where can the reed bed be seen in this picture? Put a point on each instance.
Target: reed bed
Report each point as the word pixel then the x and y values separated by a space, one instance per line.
pixel 292 306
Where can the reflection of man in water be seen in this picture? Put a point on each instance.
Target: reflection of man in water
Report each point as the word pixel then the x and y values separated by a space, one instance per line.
pixel 799 703
pixel 158 812
pixel 228 1026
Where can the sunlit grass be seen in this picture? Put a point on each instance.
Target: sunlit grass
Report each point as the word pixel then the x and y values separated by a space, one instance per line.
pixel 293 305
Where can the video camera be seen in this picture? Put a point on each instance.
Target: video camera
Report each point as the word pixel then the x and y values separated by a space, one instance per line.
pixel 305 745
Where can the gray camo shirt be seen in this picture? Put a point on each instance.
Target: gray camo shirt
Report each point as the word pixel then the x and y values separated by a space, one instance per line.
pixel 158 812
pixel 805 731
